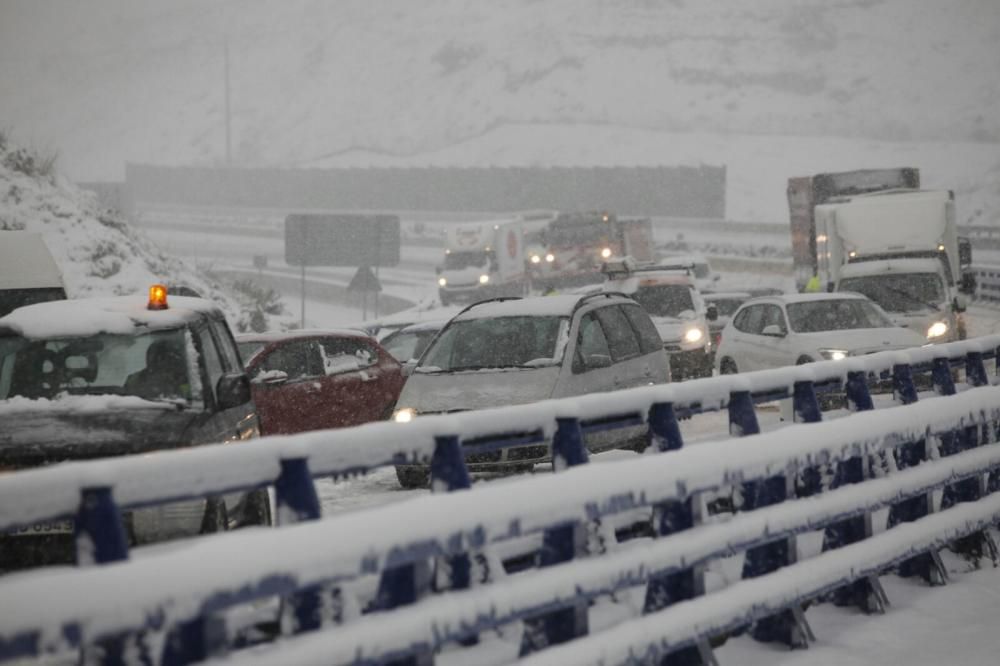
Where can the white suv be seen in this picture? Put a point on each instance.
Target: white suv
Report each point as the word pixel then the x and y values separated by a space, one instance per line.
pixel 514 351
pixel 791 329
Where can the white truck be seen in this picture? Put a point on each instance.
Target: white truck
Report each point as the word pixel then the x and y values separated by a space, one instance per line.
pixel 482 260
pixel 900 248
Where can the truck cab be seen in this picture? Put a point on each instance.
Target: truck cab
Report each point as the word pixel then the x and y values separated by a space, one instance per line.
pixel 482 261
pixel 900 248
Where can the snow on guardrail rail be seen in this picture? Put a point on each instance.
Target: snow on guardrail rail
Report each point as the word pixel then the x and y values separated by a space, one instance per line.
pixel 172 588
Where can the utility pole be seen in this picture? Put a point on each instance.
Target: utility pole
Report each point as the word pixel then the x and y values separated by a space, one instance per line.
pixel 229 153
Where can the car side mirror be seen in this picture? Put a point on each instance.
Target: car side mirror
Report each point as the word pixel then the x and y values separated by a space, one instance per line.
pixel 232 390
pixel 409 367
pixel 712 312
pixel 773 330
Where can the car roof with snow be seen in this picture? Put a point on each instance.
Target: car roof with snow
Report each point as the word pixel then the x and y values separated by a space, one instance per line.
pixel 121 315
pixel 424 326
pixel 560 305
pixel 277 336
pixel 808 297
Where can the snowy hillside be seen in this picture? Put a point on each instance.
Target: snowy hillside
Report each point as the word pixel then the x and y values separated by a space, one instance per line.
pixel 117 80
pixel 98 253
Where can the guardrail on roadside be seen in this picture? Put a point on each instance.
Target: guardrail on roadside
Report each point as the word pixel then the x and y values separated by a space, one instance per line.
pixel 95 493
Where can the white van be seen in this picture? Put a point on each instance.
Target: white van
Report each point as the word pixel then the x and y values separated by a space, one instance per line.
pixel 28 273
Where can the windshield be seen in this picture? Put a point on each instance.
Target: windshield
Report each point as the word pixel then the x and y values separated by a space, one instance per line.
pixel 835 315
pixel 456 261
pixel 667 300
pixel 908 292
pixel 154 366
pixel 502 342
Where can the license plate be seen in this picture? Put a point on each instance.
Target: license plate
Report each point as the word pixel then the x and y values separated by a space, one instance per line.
pixel 40 529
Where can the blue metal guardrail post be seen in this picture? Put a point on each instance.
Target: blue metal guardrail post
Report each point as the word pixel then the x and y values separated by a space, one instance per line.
pixel 100 538
pixel 867 594
pixel 560 544
pixel 670 518
pixel 296 500
pixel 968 490
pixel 449 473
pixel 910 455
pixel 788 626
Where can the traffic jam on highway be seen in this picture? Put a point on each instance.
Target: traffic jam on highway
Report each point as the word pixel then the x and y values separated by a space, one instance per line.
pixel 533 306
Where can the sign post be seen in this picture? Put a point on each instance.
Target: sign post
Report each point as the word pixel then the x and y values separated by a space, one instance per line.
pixel 336 239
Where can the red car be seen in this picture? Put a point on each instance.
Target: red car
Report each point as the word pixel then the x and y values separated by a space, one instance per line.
pixel 312 380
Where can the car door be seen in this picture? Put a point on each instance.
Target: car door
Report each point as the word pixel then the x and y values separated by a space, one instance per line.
pixel 656 368
pixel 295 403
pixel 742 343
pixel 243 418
pixel 630 367
pixel 773 347
pixel 588 355
pixel 361 385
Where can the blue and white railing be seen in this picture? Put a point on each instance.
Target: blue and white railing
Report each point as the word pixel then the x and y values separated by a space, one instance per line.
pixel 285 563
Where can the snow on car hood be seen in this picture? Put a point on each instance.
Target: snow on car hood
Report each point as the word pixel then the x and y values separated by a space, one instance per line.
pixel 866 340
pixel 43 431
pixel 479 389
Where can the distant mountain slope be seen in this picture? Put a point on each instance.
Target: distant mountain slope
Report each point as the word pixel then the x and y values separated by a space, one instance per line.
pixel 117 80
pixel 98 253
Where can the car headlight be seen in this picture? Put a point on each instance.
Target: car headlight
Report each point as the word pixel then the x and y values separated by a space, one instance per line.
pixel 606 252
pixel 535 259
pixel 442 282
pixel 833 354
pixel 693 335
pixel 484 278
pixel 404 415
pixel 549 258
pixel 937 329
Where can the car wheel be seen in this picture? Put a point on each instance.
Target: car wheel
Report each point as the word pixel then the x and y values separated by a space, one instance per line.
pixel 728 367
pixel 413 477
pixel 216 516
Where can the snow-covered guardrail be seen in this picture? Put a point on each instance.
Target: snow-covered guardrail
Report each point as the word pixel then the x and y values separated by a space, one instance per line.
pixel 95 493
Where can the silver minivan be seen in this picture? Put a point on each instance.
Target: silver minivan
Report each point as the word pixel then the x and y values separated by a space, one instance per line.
pixel 515 351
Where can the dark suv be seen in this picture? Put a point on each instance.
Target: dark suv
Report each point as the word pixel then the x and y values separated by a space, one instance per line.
pixel 92 378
